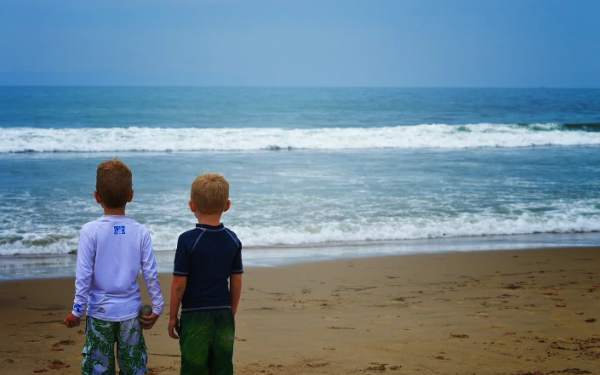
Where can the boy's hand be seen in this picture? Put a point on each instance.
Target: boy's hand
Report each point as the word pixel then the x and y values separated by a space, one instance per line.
pixel 71 321
pixel 174 327
pixel 147 321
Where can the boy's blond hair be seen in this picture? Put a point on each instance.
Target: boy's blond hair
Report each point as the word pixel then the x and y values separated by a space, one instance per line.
pixel 113 183
pixel 210 193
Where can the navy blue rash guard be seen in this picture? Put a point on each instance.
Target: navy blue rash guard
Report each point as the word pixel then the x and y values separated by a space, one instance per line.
pixel 207 255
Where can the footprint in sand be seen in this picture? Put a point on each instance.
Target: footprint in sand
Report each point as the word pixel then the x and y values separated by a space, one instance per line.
pixel 57 347
pixel 58 365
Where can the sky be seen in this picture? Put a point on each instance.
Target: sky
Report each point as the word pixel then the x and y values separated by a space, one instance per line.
pixel 400 43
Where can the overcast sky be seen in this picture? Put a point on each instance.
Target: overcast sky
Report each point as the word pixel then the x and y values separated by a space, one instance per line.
pixel 406 43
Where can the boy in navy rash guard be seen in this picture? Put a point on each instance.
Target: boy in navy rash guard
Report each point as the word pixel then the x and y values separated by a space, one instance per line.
pixel 206 258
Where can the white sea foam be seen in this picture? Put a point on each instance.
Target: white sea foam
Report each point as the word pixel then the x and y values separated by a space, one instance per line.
pixel 37 243
pixel 465 225
pixel 242 139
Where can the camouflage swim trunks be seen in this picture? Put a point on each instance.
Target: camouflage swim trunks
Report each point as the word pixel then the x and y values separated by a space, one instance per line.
pixel 99 348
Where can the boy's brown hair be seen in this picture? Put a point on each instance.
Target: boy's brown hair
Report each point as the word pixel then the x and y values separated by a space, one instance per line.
pixel 113 183
pixel 210 193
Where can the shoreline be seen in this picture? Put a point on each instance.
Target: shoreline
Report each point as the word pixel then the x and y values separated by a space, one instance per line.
pixel 36 266
pixel 489 312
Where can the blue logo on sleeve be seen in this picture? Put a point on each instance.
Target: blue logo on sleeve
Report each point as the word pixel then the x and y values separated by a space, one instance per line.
pixel 119 229
pixel 77 308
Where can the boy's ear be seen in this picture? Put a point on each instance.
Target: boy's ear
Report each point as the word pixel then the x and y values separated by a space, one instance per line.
pixel 192 206
pixel 227 205
pixel 97 197
pixel 130 196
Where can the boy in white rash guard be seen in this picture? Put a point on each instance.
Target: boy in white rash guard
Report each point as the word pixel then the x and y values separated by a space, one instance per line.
pixel 112 249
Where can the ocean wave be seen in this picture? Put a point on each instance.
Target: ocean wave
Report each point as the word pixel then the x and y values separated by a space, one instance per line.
pixel 164 238
pixel 142 139
pixel 586 126
pixel 463 226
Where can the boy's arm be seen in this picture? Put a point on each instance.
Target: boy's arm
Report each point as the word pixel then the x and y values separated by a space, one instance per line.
pixel 178 284
pixel 83 278
pixel 235 277
pixel 150 275
pixel 235 289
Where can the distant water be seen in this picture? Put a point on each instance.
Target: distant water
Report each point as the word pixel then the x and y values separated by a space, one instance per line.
pixel 308 167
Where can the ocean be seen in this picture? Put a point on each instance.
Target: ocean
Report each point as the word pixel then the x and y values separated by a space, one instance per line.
pixel 315 173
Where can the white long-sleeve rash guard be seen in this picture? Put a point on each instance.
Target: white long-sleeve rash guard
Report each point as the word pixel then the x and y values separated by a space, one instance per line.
pixel 111 251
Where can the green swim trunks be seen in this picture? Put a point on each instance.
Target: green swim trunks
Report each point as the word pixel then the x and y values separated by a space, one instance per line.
pixel 206 342
pixel 99 347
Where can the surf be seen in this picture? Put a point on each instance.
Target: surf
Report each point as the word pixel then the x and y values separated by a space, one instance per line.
pixel 154 139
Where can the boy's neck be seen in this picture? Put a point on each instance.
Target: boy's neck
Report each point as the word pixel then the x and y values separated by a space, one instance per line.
pixel 119 211
pixel 213 219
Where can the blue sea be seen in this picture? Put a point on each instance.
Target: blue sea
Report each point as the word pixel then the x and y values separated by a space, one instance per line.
pixel 315 173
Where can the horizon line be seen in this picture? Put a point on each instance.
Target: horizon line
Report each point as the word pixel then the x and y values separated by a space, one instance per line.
pixel 4 85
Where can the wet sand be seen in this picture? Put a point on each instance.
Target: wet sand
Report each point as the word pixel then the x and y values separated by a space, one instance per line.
pixel 494 312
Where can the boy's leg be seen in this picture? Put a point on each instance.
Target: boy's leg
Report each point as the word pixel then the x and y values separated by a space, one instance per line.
pixel 99 347
pixel 195 330
pixel 221 353
pixel 131 348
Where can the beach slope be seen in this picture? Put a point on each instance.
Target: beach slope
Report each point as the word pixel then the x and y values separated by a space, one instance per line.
pixel 494 312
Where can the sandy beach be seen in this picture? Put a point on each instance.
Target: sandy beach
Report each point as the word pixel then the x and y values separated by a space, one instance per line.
pixel 494 312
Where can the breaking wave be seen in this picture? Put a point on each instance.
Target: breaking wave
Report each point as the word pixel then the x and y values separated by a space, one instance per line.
pixel 149 139
pixel 164 238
